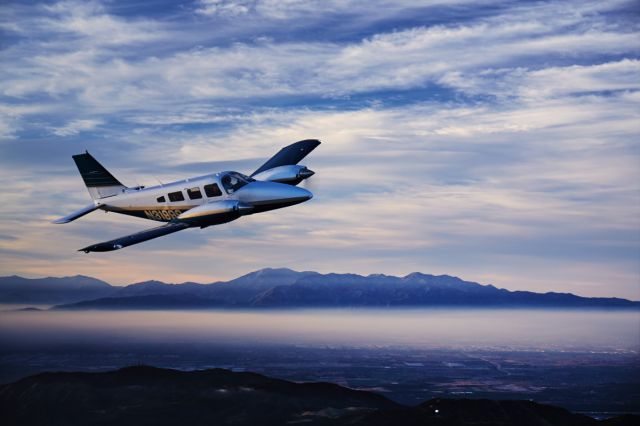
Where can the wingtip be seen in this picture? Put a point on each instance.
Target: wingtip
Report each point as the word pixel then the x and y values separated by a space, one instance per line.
pixel 89 249
pixel 100 247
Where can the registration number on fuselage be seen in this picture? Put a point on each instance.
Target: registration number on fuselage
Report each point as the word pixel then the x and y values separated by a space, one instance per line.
pixel 162 214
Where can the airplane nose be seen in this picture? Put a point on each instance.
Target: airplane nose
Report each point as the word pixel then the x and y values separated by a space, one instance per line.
pixel 273 194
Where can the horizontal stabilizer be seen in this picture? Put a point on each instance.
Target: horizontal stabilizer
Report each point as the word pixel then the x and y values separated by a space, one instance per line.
pixel 75 215
pixel 136 238
pixel 289 155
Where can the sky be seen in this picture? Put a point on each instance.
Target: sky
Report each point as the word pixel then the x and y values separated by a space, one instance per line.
pixel 496 141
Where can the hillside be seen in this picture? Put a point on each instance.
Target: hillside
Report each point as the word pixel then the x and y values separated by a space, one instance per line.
pixel 51 290
pixel 152 396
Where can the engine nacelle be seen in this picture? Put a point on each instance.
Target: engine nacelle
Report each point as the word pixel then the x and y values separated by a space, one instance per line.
pixel 291 174
pixel 215 212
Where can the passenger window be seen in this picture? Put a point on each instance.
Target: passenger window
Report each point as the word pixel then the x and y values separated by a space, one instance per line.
pixel 194 193
pixel 176 196
pixel 161 199
pixel 212 190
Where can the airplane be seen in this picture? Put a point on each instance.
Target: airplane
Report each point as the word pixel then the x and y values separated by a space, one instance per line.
pixel 201 201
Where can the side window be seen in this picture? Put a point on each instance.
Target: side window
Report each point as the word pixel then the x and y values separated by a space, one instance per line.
pixel 176 196
pixel 212 190
pixel 194 193
pixel 161 199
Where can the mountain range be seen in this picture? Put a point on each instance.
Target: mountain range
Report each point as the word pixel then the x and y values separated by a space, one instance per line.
pixel 284 288
pixel 144 395
pixel 50 290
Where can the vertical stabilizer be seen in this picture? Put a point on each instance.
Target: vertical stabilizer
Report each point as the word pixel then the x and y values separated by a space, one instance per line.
pixel 98 180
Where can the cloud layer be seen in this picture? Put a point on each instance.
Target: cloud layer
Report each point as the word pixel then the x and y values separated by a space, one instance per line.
pixel 497 142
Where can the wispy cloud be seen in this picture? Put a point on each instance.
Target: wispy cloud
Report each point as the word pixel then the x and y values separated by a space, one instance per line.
pixel 75 127
pixel 81 22
pixel 294 9
pixel 224 7
pixel 550 82
pixel 399 60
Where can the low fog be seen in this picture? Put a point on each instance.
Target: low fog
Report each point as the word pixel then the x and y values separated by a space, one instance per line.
pixel 450 328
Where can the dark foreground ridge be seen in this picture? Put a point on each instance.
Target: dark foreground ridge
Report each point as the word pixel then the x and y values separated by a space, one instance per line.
pixel 284 288
pixel 153 396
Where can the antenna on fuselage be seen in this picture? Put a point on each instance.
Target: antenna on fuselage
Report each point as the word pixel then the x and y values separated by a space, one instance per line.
pixel 159 181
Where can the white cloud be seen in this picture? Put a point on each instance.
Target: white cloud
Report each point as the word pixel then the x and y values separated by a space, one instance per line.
pixel 224 7
pixel 548 83
pixel 74 127
pixel 90 21
pixel 101 79
pixel 295 9
pixel 12 114
pixel 8 127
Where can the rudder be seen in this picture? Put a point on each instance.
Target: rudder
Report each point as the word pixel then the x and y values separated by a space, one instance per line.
pixel 98 180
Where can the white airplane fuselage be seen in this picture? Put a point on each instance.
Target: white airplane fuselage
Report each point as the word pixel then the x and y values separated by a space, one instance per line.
pixel 168 202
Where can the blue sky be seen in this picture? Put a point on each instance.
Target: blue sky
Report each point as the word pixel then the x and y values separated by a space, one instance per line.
pixel 496 141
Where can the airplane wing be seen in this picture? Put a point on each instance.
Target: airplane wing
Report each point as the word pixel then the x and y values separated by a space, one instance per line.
pixel 75 215
pixel 289 155
pixel 136 238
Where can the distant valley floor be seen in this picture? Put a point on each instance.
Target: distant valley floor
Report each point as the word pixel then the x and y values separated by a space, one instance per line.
pixel 600 384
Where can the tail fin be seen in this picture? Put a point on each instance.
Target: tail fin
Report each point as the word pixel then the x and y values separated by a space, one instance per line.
pixel 99 181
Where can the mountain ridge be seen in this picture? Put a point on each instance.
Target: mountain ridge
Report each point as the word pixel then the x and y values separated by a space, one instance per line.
pixel 47 290
pixel 286 288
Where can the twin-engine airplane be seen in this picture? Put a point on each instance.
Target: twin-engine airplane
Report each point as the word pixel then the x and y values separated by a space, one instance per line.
pixel 195 202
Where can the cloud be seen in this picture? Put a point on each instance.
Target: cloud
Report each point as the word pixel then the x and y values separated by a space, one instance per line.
pixel 8 127
pixel 224 7
pixel 90 22
pixel 74 127
pixel 294 9
pixel 417 57
pixel 551 82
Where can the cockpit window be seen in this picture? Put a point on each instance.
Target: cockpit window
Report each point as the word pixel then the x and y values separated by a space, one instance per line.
pixel 233 181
